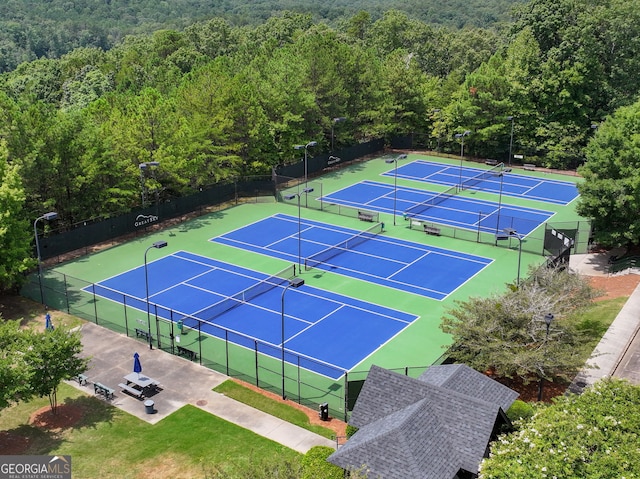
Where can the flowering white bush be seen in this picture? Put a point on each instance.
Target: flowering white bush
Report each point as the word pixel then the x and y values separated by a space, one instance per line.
pixel 595 435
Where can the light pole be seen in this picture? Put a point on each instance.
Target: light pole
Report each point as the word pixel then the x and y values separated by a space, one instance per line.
pixel 511 233
pixel 52 215
pixel 306 191
pixel 436 112
pixel 294 282
pixel 143 168
pixel 510 118
pixel 461 136
pixel 158 245
pixel 333 123
pixel 501 175
pixel 547 319
pixel 395 181
pixel 306 148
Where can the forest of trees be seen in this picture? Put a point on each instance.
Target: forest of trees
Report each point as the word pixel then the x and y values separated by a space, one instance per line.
pixel 215 101
pixel 33 29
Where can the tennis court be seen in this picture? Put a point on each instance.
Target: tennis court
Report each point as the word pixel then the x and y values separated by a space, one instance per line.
pixel 334 332
pixel 444 208
pixel 368 256
pixel 511 184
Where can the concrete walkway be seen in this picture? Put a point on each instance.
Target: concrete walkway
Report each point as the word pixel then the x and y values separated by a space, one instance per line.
pixel 182 382
pixel 618 353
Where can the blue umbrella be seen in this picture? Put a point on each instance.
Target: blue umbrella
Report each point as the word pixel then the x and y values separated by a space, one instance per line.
pixel 48 324
pixel 137 367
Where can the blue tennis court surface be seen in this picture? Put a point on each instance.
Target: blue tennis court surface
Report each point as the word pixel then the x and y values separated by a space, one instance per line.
pixel 513 184
pixel 329 333
pixel 404 265
pixel 457 211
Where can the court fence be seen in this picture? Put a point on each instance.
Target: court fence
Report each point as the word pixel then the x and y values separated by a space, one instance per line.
pixel 307 381
pixel 82 236
pixel 577 233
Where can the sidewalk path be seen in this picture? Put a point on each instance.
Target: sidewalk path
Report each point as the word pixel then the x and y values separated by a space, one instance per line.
pixel 182 382
pixel 618 353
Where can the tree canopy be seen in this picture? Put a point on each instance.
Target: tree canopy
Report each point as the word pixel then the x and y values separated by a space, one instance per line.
pixel 508 334
pixel 34 363
pixel 610 193
pixel 34 29
pixel 214 100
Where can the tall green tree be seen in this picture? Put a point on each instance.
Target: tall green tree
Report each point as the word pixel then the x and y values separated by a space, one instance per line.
pixel 610 192
pixel 15 376
pixel 53 356
pixel 15 235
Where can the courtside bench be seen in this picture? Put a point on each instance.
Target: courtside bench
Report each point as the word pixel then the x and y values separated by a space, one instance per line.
pixel 107 392
pixel 141 333
pixel 187 353
pixel 529 167
pixel 364 216
pixel 431 230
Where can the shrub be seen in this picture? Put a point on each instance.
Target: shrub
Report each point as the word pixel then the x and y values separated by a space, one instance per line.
pixel 315 464
pixel 520 410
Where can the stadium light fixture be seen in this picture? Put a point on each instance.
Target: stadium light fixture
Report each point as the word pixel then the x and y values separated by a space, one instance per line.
pixel 306 191
pixel 306 148
pixel 157 245
pixel 294 282
pixel 395 181
pixel 50 216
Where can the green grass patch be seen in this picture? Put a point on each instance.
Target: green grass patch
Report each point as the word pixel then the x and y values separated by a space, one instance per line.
pixel 263 403
pixel 109 443
pixel 596 320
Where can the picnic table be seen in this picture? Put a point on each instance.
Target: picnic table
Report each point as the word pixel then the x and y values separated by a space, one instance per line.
pixel 141 380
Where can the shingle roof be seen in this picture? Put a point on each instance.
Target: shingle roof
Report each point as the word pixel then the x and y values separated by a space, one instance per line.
pixel 465 380
pixel 430 427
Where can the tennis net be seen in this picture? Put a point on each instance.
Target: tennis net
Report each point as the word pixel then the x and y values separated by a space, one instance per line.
pixel 420 208
pixel 348 244
pixel 485 175
pixel 216 309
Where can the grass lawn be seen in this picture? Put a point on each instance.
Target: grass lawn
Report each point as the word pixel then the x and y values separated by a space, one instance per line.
pixel 597 319
pixel 109 443
pixel 275 408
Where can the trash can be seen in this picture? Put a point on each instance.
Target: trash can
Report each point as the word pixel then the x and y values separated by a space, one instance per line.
pixel 148 404
pixel 324 411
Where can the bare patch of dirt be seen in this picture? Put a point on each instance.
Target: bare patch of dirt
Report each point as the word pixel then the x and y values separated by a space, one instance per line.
pixel 66 416
pixel 13 444
pixel 615 286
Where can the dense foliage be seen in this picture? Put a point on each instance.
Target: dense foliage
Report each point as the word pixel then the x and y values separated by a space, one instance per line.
pixel 15 234
pixel 216 101
pixel 34 363
pixel 611 192
pixel 508 335
pixel 32 29
pixel 591 435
